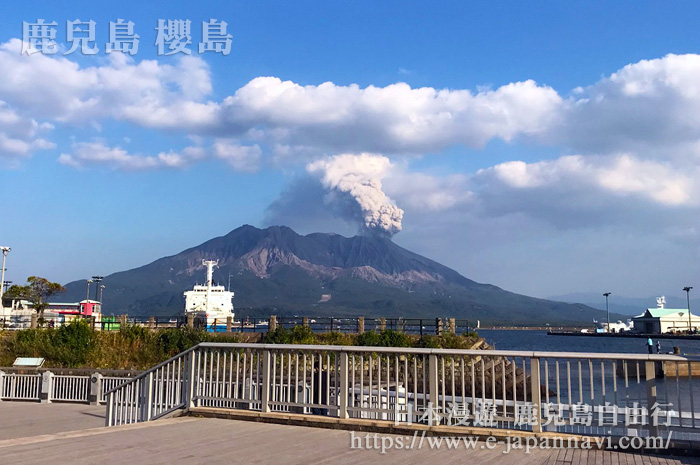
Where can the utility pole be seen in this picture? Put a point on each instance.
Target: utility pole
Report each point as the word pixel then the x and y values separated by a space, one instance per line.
pixel 607 309
pixel 687 294
pixel 5 251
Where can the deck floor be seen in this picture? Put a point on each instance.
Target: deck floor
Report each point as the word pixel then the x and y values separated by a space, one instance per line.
pixel 60 434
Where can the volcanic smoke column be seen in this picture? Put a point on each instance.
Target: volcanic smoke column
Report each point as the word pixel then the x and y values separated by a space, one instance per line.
pixel 355 191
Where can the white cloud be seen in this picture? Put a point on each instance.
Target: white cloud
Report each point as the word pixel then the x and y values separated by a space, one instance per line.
pixel 20 137
pixel 240 157
pixel 146 93
pixel 620 175
pixel 98 153
pixel 644 106
pixel 392 119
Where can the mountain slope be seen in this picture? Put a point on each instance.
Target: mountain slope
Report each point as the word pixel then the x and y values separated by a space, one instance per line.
pixel 275 270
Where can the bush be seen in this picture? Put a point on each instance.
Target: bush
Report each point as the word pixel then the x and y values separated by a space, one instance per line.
pixel 335 339
pixel 296 335
pixel 386 338
pixel 448 341
pixel 368 339
pixel 173 341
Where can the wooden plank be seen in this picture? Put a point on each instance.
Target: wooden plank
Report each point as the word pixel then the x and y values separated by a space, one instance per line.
pixel 569 457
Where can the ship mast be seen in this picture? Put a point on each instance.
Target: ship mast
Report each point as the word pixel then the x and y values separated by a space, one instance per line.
pixel 210 264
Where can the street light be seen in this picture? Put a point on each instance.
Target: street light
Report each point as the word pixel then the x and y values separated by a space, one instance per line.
pixel 102 289
pixel 687 294
pixel 607 309
pixel 5 251
pixel 97 280
pixel 87 298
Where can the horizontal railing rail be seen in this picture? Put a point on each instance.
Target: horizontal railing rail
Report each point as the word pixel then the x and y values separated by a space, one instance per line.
pixel 585 393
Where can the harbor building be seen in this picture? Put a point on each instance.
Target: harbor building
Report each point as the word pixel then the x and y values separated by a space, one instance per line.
pixel 665 320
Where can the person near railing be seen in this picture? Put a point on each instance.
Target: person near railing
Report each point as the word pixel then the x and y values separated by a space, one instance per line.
pixel 650 346
pixel 320 389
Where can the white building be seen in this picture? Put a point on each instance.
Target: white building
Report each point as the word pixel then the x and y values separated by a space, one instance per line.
pixel 665 320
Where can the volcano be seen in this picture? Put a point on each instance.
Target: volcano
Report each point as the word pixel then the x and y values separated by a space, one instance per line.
pixel 277 271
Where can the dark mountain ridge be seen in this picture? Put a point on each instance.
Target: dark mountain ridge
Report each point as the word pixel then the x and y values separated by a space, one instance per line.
pixel 276 270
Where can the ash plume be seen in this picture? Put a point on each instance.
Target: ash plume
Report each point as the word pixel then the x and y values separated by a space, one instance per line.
pixel 354 190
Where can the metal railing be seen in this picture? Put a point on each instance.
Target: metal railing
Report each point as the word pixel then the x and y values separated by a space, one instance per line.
pixel 45 386
pixel 153 393
pixel 418 326
pixel 20 386
pixel 537 391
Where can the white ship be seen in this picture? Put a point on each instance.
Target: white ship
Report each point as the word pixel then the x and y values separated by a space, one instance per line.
pixel 210 303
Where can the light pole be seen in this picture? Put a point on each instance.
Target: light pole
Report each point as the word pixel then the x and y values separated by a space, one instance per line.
pixel 607 309
pixel 687 294
pixel 5 251
pixel 97 280
pixel 87 298
pixel 102 289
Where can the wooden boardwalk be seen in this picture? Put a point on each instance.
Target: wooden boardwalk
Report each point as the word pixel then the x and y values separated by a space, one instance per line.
pixel 213 441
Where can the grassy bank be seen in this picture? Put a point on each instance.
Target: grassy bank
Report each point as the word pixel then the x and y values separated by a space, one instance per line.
pixel 138 348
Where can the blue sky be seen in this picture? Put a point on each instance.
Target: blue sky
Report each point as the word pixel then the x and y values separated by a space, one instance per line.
pixel 546 147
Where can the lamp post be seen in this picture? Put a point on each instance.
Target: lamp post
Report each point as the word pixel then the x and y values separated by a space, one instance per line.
pixel 5 251
pixel 687 294
pixel 607 309
pixel 97 280
pixel 102 289
pixel 87 298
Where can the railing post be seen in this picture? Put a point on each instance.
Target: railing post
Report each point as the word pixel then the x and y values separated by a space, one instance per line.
pixel 650 378
pixel 2 385
pixel 331 324
pixel 272 325
pixel 151 322
pixel 535 386
pixel 343 394
pixel 451 325
pixel 382 324
pixel 433 387
pixel 265 404
pixel 190 320
pixel 110 410
pixel 438 326
pixel 360 325
pixel 305 321
pixel 46 385
pixel 229 323
pixel 34 320
pixel 95 389
pixel 190 379
pixel 148 397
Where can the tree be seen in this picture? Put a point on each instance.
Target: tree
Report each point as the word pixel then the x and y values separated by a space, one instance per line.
pixel 37 291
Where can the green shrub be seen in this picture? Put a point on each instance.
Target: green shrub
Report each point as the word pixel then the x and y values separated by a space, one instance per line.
pixel 296 335
pixel 386 338
pixel 335 339
pixel 368 339
pixel 172 341
pixel 71 343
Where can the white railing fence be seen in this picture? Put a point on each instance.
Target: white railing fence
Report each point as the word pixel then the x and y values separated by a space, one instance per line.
pixel 46 386
pixel 586 393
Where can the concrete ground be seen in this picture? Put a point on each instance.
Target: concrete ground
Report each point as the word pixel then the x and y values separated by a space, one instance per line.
pixel 25 419
pixel 71 435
